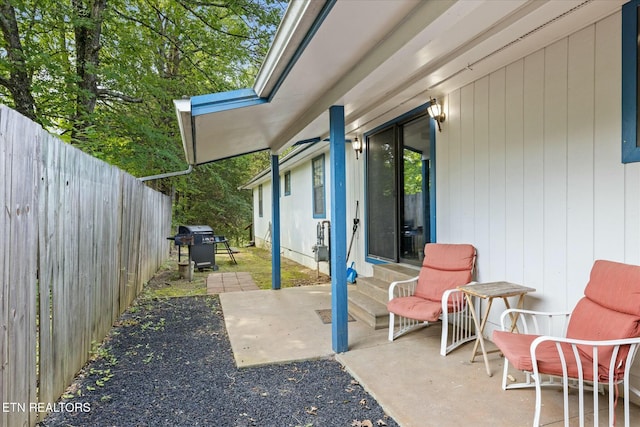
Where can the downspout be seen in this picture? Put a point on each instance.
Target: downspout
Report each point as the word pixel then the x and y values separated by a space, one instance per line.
pixel 167 175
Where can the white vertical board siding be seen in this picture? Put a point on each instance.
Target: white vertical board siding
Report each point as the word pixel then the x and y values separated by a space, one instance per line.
pixel 514 175
pixel 609 212
pixel 554 174
pixel 296 214
pixel 355 193
pixel 466 162
pixel 298 227
pixel 448 152
pixel 535 148
pixel 497 182
pixel 580 116
pixel 480 180
pixel 261 226
pixel 532 124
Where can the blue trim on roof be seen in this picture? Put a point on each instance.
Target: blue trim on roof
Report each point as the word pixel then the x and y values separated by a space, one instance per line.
pixel 324 12
pixel 308 141
pixel 223 101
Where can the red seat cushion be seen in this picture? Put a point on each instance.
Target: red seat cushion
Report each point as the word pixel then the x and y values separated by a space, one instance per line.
pixel 416 308
pixel 516 349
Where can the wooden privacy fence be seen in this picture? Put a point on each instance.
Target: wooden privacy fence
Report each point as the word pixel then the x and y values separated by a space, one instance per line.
pixel 79 238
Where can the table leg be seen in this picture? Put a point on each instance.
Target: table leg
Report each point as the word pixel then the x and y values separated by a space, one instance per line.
pixel 514 316
pixel 479 331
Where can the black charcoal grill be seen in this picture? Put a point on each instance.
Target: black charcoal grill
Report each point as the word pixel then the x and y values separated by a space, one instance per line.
pixel 200 241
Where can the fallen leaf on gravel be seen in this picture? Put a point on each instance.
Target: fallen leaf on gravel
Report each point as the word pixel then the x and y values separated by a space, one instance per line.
pixel 363 402
pixel 365 423
pixel 381 423
pixel 311 411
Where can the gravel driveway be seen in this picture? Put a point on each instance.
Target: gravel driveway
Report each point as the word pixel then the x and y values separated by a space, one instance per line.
pixel 168 362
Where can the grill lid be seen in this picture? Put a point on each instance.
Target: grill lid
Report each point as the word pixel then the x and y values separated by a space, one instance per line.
pixel 195 229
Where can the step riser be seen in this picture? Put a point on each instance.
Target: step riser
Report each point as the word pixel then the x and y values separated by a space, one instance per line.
pixel 376 322
pixel 377 293
pixel 376 288
pixel 382 272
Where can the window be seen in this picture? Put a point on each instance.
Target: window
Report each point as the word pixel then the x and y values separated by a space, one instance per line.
pixel 260 211
pixel 630 86
pixel 287 183
pixel 317 166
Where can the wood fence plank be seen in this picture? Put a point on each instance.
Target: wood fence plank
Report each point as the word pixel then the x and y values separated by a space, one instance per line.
pixel 5 176
pixel 20 211
pixel 80 253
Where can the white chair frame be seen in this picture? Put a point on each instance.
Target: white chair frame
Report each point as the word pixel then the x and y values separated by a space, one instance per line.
pixel 457 322
pixel 529 323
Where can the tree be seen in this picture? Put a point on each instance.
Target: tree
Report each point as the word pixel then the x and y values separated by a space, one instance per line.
pixel 16 76
pixel 103 75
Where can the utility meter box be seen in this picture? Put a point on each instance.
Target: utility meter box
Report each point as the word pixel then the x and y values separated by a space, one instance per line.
pixel 321 253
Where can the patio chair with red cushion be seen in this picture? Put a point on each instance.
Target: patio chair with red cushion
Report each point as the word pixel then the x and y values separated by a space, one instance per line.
pixel 432 296
pixel 594 353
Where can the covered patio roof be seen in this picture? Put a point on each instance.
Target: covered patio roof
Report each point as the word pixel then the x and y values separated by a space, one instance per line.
pixel 379 59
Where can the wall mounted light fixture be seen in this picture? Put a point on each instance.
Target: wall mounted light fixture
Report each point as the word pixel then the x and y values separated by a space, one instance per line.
pixel 435 111
pixel 357 146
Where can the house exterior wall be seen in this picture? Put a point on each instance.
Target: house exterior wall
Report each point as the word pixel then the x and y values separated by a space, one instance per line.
pixel 298 226
pixel 261 224
pixel 529 169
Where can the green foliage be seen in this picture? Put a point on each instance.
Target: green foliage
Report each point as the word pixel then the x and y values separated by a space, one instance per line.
pixel 412 172
pixel 150 53
pixel 214 198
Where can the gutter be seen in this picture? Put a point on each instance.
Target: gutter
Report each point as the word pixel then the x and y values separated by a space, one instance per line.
pixel 294 157
pixel 167 175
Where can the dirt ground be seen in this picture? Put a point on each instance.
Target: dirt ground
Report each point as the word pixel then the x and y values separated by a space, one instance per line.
pixel 256 261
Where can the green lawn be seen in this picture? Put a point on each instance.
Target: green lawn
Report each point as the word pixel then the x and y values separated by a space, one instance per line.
pixel 256 261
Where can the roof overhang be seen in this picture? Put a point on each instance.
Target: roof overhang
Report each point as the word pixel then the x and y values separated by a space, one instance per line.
pixel 378 58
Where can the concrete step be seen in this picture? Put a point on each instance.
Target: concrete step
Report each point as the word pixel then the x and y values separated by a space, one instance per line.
pixel 374 288
pixel 368 298
pixel 367 309
pixel 392 272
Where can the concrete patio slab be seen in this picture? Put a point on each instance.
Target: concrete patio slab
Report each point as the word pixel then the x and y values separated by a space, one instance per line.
pixel 408 377
pixel 276 326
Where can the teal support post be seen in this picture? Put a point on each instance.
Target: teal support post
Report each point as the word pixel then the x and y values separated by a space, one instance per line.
pixel 275 223
pixel 339 311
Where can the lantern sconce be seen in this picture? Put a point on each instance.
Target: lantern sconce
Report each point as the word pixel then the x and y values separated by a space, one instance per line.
pixel 435 111
pixel 357 146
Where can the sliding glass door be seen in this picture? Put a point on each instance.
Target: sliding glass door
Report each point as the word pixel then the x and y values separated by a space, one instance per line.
pixel 382 194
pixel 397 191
